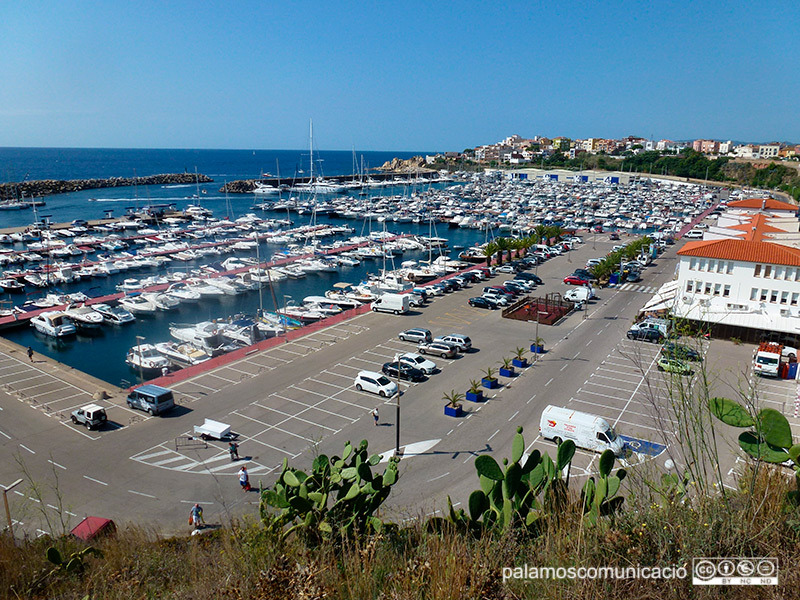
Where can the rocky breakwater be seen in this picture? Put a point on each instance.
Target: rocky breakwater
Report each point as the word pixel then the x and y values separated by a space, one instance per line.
pixel 411 165
pixel 46 187
pixel 240 186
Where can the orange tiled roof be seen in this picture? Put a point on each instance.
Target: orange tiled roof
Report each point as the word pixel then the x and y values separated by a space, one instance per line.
pixel 756 228
pixel 768 203
pixel 745 251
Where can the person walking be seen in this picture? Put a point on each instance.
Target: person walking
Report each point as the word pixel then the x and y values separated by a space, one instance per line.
pixel 30 354
pixel 233 448
pixel 244 479
pixel 375 415
pixel 196 516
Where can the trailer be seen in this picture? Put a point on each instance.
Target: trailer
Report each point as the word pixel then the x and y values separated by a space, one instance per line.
pixel 211 429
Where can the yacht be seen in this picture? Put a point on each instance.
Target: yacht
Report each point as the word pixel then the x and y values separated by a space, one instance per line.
pixel 204 289
pixel 54 324
pixel 161 300
pixel 205 335
pixel 182 292
pixel 136 304
pixel 146 359
pixel 241 331
pixel 114 315
pixel 182 355
pixel 12 286
pixel 84 317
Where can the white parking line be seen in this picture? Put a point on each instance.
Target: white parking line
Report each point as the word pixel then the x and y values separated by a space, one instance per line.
pixel 95 480
pixel 314 406
pixel 141 494
pixel 153 455
pixel 297 417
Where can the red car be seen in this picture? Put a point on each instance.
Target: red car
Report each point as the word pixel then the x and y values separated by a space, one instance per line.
pixel 575 280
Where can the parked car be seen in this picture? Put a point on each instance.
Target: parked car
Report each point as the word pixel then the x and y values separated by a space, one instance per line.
pixel 439 348
pixel 91 416
pixel 416 300
pixel 401 370
pixel 646 335
pixel 482 302
pixel 517 289
pixel 679 351
pixel 498 298
pixel 575 280
pixel 425 365
pixel 673 365
pixel 614 236
pixel 530 277
pixel 506 269
pixel 585 274
pixel 415 335
pixel 461 342
pixel 592 262
pixel 376 383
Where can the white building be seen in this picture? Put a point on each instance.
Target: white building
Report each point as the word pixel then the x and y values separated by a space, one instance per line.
pixel 725 147
pixel 769 151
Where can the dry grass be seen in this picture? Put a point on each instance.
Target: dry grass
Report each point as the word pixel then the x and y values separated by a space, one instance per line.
pixel 243 561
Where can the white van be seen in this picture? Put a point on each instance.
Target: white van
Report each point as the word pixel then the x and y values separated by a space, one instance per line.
pixel 580 294
pixel 393 303
pixel 587 431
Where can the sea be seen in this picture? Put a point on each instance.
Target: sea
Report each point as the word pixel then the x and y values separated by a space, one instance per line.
pixel 102 355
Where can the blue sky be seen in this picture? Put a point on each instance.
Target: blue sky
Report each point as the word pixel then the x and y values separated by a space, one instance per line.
pixel 393 75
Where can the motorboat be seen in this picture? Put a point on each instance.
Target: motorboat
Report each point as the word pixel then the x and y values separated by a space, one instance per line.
pixel 54 324
pixel 206 335
pixel 128 285
pixel 146 359
pixel 36 280
pixel 241 331
pixel 12 286
pixel 161 300
pixel 182 292
pixel 182 355
pixel 84 317
pixel 204 289
pixel 301 313
pixel 342 302
pixel 136 304
pixel 231 287
pixel 114 315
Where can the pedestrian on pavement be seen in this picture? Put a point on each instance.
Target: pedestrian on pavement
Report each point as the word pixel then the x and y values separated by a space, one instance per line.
pixel 164 371
pixel 196 516
pixel 244 479
pixel 30 353
pixel 375 415
pixel 233 448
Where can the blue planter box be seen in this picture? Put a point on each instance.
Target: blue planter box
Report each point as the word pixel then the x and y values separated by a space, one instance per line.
pixel 522 364
pixel 490 383
pixel 507 372
pixel 453 412
pixel 537 349
pixel 476 397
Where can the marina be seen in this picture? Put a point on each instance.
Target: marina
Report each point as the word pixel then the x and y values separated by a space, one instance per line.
pixel 278 260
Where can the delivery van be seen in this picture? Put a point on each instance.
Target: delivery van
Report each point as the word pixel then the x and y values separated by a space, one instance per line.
pixel 152 399
pixel 587 431
pixel 579 294
pixel 393 303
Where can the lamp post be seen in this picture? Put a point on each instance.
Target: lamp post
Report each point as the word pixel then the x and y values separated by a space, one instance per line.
pixel 538 313
pixel 397 406
pixel 7 489
pixel 286 317
pixel 139 340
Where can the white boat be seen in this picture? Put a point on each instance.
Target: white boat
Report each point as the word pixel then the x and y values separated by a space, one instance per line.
pixel 161 301
pixel 205 335
pixel 53 323
pixel 114 315
pixel 341 301
pixel 291 271
pixel 326 308
pixel 84 316
pixel 241 331
pixel 262 189
pixel 182 355
pixel 301 313
pixel 137 305
pixel 204 289
pixel 11 286
pixel 146 359
pixel 128 285
pixel 227 285
pixel 182 292
pixel 36 280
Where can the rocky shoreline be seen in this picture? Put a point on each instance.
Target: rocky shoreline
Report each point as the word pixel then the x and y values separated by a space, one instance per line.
pixel 410 165
pixel 46 187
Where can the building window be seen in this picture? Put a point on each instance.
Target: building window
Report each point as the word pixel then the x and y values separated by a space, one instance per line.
pixel 698 287
pixel 784 297
pixel 795 296
pixel 711 265
pixel 763 296
pixel 797 275
pixel 726 291
pixel 702 266
pixel 717 288
pixel 757 272
pixel 692 264
pixel 720 266
pixel 767 270
pixel 707 291
pixel 729 268
pixel 690 286
pixel 789 274
pixel 773 297
pixel 779 272
pixel 753 294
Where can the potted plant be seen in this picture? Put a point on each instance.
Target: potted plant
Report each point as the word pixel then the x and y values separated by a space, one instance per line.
pixel 537 347
pixel 520 360
pixel 475 393
pixel 453 406
pixel 489 381
pixel 507 370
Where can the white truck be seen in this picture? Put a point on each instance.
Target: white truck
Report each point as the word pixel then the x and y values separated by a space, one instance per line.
pixel 580 294
pixel 771 356
pixel 393 303
pixel 587 431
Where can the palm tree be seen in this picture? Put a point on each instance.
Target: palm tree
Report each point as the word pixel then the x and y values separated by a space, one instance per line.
pixel 540 232
pixel 502 244
pixel 489 251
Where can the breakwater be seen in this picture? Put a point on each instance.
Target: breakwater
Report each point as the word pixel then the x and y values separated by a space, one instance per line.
pixel 246 186
pixel 46 187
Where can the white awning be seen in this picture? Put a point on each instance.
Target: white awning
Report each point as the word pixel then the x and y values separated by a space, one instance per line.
pixel 663 298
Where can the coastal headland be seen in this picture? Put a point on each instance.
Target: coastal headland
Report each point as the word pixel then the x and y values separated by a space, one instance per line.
pixel 47 187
